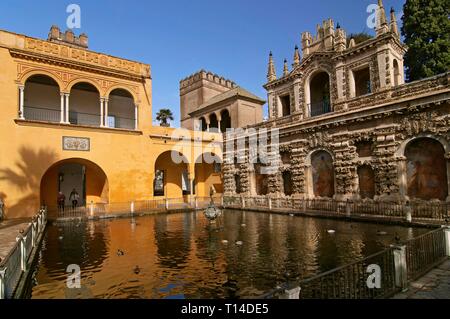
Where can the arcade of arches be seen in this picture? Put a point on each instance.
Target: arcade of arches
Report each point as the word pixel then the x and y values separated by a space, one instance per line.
pixel 176 176
pixel 83 105
pixel 425 174
pixel 219 122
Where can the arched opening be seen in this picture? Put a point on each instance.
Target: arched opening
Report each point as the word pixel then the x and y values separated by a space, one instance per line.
pixel 237 183
pixel 84 104
pixel 366 178
pixel 322 174
pixel 208 179
pixel 42 99
pixel 213 123
pixel 320 97
pixel 204 125
pixel 426 170
pixel 397 75
pixel 172 178
pixel 225 122
pixel 261 180
pixel 287 183
pixel 85 177
pixel 363 85
pixel 121 110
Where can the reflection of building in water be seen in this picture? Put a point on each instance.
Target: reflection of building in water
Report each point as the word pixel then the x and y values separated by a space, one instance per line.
pixel 348 121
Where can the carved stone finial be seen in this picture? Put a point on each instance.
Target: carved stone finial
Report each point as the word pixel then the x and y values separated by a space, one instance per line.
pixel 296 57
pixel 271 75
pixel 382 25
pixel 285 68
pixel 352 43
pixel 394 26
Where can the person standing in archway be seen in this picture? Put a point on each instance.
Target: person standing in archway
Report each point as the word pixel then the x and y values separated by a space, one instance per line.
pixel 74 198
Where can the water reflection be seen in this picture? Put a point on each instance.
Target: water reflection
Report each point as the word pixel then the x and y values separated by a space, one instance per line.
pixel 183 256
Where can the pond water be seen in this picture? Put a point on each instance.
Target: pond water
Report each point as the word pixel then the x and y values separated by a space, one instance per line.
pixel 243 255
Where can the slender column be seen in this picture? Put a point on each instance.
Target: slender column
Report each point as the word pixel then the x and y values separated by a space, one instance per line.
pixel 135 116
pixel 21 101
pixel 67 107
pixel 106 112
pixel 62 108
pixel 102 119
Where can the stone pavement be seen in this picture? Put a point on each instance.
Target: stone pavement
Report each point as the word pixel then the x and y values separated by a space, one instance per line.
pixel 8 232
pixel 434 285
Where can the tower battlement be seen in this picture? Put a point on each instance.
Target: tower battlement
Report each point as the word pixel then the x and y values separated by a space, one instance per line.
pixel 206 76
pixel 68 37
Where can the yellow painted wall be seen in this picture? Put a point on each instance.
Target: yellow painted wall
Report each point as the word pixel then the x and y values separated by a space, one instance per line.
pixel 29 149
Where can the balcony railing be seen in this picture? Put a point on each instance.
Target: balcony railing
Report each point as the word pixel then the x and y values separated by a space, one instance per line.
pixel 42 114
pixel 77 118
pixel 319 108
pixel 88 119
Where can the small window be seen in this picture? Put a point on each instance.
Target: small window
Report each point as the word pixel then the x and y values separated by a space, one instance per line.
pixel 364 149
pixel 237 181
pixel 362 82
pixel 287 183
pixel 286 104
pixel 285 158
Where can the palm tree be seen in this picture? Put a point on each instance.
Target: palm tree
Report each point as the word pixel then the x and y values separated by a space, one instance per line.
pixel 163 116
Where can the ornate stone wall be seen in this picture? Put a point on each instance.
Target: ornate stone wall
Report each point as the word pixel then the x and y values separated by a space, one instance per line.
pixel 385 135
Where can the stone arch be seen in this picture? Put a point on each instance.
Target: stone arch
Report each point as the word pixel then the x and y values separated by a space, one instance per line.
pixel 85 105
pixel 320 174
pixel 401 150
pixel 312 75
pixel 366 181
pixel 42 98
pixel 25 76
pixel 203 123
pixel 426 169
pixel 87 177
pixel 208 174
pixel 213 121
pixel 397 72
pixel 172 177
pixel 225 120
pixel 76 81
pixel 124 88
pixel 121 109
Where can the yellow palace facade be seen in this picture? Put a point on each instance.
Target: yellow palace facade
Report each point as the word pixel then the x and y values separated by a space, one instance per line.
pixel 76 119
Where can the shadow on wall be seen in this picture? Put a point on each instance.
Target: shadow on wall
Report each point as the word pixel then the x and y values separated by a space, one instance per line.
pixel 25 179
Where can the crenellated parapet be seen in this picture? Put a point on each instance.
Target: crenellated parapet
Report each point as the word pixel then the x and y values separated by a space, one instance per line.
pixel 203 75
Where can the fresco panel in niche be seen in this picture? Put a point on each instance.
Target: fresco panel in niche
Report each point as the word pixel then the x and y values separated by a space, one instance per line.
pixel 426 169
pixel 323 174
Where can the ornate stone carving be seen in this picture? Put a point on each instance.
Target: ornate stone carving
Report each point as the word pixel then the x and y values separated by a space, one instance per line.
pixel 76 144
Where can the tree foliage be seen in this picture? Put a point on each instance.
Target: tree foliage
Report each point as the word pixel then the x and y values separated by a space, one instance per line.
pixel 164 116
pixel 359 37
pixel 426 28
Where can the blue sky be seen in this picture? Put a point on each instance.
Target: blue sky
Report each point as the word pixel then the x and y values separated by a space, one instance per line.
pixel 177 38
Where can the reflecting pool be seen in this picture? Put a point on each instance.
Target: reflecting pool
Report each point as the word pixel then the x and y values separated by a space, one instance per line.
pixel 243 254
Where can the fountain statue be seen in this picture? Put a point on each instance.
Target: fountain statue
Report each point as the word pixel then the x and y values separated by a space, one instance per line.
pixel 212 212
